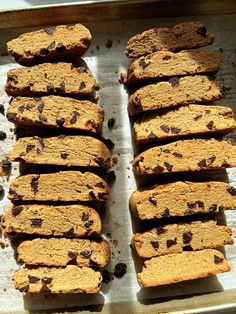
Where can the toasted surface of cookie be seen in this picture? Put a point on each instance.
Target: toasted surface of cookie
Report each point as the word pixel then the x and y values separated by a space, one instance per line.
pixel 183 121
pixel 61 252
pixel 76 150
pixel 57 112
pixel 183 266
pixel 50 43
pixel 178 91
pixel 71 279
pixel 59 186
pixel 50 78
pixel 187 198
pixel 187 155
pixel 166 64
pixel 176 238
pixel 181 36
pixel 65 220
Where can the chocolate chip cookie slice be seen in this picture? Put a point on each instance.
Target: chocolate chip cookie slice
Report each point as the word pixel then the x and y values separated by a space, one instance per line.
pixel 59 186
pixel 164 270
pixel 176 238
pixel 56 112
pixel 65 220
pixel 163 64
pixel 187 198
pixel 181 36
pixel 187 155
pixel 51 78
pixel 71 279
pixel 177 91
pixel 50 43
pixel 178 122
pixel 76 150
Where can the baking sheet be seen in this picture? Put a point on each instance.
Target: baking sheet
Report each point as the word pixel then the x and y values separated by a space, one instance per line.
pixel 106 65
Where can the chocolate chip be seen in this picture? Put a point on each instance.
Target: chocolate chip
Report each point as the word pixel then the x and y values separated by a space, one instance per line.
pixel 60 121
pixel 29 106
pixel 82 70
pixel 49 30
pixel 46 280
pixel 202 31
pixel 177 155
pixel 210 125
pixel 165 128
pixel 14 79
pixel 188 212
pixel 120 270
pixel 72 255
pixel 210 160
pixel 52 45
pixel 111 176
pixel 89 186
pixel 11 116
pixel 2 109
pixel 34 184
pixel 16 210
pixel 231 190
pixel 166 58
pixel 69 233
pixel 92 195
pixel 167 151
pixel 171 242
pixel 45 289
pixel 108 142
pixel 24 289
pixel 40 107
pixel 33 279
pixel 42 118
pixel 153 200
pixel 111 122
pixel 166 213
pixel 3 135
pixel 6 164
pixel 191 205
pixel 60 47
pixel 102 196
pixel 168 166
pixel 218 259
pixel 82 85
pixel 36 222
pixel 137 105
pixel 74 117
pixel 86 254
pixel 11 191
pixel 174 81
pixel 155 244
pixel 29 147
pixel 109 43
pixel 197 117
pixel 160 230
pixel 151 135
pixel 213 208
pixel 187 237
pixel 21 109
pixel 99 185
pixel 61 88
pixel 158 169
pixel 64 155
pixel 202 163
pixel 85 216
pixel 50 88
pixel 99 160
pixel 143 64
pixel 200 204
pixel 175 130
pixel 89 223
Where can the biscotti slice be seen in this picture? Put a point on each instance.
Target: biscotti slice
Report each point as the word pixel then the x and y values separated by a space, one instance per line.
pixel 183 198
pixel 181 36
pixel 71 279
pixel 166 64
pixel 178 91
pixel 176 238
pixel 61 252
pixel 50 78
pixel 40 219
pixel 56 112
pixel 183 121
pixel 59 186
pixel 183 266
pixel 76 150
pixel 50 43
pixel 187 155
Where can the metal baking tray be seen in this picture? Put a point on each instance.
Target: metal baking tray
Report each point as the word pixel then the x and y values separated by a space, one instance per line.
pixel 117 21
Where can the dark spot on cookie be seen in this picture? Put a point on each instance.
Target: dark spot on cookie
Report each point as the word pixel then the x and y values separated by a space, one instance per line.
pixel 213 208
pixel 165 128
pixel 231 190
pixel 155 244
pixel 74 118
pixel 33 279
pixel 24 289
pixel 52 45
pixel 158 169
pixel 168 166
pixel 45 289
pixel 85 216
pixel 160 230
pixel 21 109
pixel 34 184
pixel 92 195
pixel 200 204
pixel 171 242
pixel 111 176
pixel 177 155
pixel 60 121
pixel 166 213
pixel 49 30
pixel 46 280
pixel 29 147
pixel 218 259
pixel 82 70
pixel 99 160
pixel 188 212
pixel 166 58
pixel 137 105
pixel 14 79
pixel 86 253
pixel 174 81
pixel 202 31
pixel 102 196
pixel 69 233
pixel 72 255
pixel 175 130
pixel 29 106
pixel 50 88
pixel 111 122
pixel 187 237
pixel 60 48
pixel 16 210
pixel 120 270
pixel 143 64
pixel 191 205
pixel 202 163
pixel 42 118
pixel 64 155
pixel 11 191
pixel 40 108
pixel 99 185
pixel 211 160
pixel 153 200
pixel 82 85
pixel 151 135
pixel 61 88
pixel 36 222
pixel 41 142
pixel 11 116
pixel 89 186
pixel 89 223
pixel 3 135
pixel 167 151
pixel 210 125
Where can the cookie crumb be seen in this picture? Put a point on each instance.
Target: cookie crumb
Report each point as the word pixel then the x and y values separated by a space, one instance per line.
pixel 111 122
pixel 120 270
pixel 109 43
